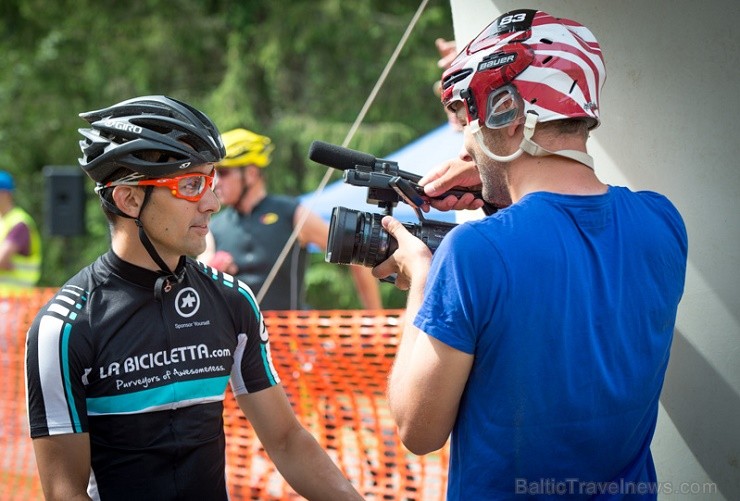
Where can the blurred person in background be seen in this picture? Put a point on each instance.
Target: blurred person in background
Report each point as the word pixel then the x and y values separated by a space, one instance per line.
pixel 253 226
pixel 447 52
pixel 20 242
pixel 20 261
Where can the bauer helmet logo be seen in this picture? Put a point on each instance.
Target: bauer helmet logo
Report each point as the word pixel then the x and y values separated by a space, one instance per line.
pixel 496 61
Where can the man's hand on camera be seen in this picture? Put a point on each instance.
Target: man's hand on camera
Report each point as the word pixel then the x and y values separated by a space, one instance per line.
pixel 410 262
pixel 453 173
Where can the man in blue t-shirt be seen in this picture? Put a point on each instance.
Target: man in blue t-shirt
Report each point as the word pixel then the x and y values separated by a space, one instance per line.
pixel 539 336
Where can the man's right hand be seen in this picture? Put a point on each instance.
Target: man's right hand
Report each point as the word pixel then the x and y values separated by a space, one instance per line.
pixel 453 173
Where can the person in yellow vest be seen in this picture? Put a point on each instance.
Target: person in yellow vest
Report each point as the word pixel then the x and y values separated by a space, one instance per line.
pixel 20 243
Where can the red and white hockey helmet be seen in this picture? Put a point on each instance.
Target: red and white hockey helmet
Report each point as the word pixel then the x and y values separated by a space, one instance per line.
pixel 553 66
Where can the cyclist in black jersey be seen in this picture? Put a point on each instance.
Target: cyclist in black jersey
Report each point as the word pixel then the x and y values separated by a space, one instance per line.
pixel 128 364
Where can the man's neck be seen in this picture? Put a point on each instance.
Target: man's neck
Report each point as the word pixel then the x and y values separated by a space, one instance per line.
pixel 6 205
pixel 552 174
pixel 254 196
pixel 126 244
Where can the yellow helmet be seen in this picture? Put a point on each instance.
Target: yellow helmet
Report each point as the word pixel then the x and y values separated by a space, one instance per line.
pixel 244 147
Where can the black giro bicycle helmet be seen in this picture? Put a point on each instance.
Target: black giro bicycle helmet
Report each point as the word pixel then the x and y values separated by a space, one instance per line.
pixel 150 135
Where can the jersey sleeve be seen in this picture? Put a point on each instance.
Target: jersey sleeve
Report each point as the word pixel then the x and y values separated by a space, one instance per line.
pixel 253 368
pixel 56 349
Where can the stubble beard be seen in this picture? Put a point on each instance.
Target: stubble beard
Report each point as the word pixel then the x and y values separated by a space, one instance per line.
pixel 495 189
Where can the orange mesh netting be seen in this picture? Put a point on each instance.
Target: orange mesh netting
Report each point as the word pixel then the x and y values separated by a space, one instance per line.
pixel 18 477
pixel 333 365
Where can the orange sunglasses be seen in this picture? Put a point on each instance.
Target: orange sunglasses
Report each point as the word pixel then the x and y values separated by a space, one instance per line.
pixel 190 187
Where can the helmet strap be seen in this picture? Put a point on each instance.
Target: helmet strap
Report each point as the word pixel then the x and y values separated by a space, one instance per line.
pixel 478 135
pixel 110 206
pixel 165 282
pixel 529 146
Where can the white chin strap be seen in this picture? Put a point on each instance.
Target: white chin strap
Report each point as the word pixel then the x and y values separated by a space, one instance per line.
pixel 529 146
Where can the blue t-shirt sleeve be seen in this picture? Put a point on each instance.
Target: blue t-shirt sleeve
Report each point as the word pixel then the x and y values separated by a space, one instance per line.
pixel 466 272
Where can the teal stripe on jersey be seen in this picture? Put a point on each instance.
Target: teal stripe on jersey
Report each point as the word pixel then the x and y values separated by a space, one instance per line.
pixel 67 381
pixel 158 397
pixel 230 283
pixel 251 301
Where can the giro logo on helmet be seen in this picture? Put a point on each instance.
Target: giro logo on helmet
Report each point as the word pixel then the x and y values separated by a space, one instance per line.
pixel 496 61
pixel 115 124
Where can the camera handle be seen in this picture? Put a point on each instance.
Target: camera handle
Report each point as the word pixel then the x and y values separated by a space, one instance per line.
pixel 408 193
pixel 411 193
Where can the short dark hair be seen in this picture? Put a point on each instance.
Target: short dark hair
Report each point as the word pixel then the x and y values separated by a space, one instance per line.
pixel 568 126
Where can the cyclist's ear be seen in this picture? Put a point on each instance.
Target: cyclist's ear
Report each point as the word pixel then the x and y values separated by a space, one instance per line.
pixel 129 199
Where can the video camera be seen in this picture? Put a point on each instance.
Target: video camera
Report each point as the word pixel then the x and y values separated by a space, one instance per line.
pixel 357 237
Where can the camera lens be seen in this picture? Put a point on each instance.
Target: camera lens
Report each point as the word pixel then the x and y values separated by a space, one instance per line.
pixel 338 248
pixel 357 238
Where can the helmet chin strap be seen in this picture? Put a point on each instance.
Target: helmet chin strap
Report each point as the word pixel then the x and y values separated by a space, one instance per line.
pixel 529 146
pixel 165 282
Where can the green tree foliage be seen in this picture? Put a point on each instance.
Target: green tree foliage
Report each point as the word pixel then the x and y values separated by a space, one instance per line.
pixel 295 70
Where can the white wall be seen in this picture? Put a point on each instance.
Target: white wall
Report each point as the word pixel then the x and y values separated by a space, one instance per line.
pixel 669 112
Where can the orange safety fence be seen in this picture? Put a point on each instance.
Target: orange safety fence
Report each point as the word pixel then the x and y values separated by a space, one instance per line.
pixel 333 365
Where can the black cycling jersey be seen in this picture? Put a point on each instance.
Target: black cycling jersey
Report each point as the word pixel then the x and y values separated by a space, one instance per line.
pixel 144 373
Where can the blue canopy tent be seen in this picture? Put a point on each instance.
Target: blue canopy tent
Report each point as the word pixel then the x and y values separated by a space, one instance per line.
pixel 418 157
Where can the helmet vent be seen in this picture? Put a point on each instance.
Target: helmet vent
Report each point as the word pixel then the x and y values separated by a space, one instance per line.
pixel 546 40
pixel 456 77
pixel 575 82
pixel 152 156
pixel 547 60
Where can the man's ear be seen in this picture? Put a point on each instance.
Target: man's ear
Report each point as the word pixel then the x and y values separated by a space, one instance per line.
pixel 128 199
pixel 253 172
pixel 515 128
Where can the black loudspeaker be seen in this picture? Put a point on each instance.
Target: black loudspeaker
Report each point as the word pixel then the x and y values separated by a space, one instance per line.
pixel 64 201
